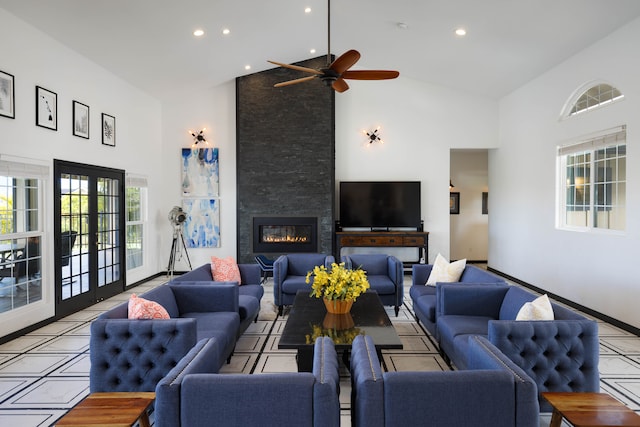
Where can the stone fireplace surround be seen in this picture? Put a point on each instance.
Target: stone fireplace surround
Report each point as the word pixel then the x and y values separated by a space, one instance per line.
pixel 285 154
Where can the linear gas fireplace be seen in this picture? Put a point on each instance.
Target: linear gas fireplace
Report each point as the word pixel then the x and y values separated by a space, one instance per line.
pixel 285 234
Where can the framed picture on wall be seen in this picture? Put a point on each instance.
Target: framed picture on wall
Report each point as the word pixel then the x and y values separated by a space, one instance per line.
pixel 7 96
pixel 485 203
pixel 46 108
pixel 108 130
pixel 454 203
pixel 80 120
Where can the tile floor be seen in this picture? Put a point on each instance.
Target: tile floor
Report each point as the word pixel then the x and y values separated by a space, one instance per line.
pixel 45 373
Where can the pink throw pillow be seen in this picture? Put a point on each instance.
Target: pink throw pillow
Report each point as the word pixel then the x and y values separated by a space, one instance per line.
pixel 140 308
pixel 225 270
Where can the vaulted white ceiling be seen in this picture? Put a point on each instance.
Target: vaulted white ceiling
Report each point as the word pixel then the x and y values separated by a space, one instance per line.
pixel 150 42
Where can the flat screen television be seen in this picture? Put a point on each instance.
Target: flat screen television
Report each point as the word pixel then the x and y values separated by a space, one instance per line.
pixel 380 204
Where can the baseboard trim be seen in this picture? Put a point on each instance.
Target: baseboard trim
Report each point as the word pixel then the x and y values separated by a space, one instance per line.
pixel 615 322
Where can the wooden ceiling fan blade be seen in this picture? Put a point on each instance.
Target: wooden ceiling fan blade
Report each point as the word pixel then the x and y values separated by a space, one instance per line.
pixel 370 74
pixel 293 82
pixel 296 67
pixel 345 61
pixel 340 86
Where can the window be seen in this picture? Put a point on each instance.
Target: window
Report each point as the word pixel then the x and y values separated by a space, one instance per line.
pixel 20 234
pixel 595 96
pixel 593 182
pixel 136 219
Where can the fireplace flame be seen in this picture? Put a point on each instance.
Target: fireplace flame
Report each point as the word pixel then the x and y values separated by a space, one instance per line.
pixel 285 239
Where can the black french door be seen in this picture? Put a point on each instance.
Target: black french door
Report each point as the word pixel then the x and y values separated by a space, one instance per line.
pixel 89 227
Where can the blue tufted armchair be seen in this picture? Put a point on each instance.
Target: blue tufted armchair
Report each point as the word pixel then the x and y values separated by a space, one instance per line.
pixel 385 274
pixel 289 275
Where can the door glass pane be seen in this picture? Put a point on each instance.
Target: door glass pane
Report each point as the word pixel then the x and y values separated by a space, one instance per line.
pixel 74 238
pixel 108 220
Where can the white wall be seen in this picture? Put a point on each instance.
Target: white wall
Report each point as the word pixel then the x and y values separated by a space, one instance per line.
pixel 420 124
pixel 213 109
pixel 35 59
pixel 596 270
pixel 470 228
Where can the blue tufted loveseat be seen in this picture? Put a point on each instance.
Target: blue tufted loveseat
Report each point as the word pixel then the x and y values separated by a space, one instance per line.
pixel 384 273
pixel 133 355
pixel 193 394
pixel 250 291
pixel 495 392
pixel 424 297
pixel 560 354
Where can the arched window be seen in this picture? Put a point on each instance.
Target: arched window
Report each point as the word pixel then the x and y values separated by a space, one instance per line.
pixel 595 96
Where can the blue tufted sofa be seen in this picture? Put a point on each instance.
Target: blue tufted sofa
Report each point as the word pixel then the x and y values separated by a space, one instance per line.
pixel 289 275
pixel 384 273
pixel 560 354
pixel 494 392
pixel 133 355
pixel 249 293
pixel 424 297
pixel 193 395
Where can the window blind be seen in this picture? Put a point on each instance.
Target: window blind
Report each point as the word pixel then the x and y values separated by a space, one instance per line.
pixel 618 136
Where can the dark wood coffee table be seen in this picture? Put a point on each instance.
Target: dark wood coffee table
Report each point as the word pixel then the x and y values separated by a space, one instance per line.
pixel 589 410
pixel 308 319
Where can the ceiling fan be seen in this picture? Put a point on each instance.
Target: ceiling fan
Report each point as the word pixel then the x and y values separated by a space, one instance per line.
pixel 335 73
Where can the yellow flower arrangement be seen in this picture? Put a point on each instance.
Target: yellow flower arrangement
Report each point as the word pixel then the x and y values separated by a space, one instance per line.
pixel 338 283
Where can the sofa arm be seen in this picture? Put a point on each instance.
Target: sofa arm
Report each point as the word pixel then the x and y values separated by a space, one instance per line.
pixel 477 299
pixel 559 355
pixel 280 270
pixel 326 390
pixel 396 273
pixel 203 358
pixel 420 273
pixel 484 355
pixel 201 297
pixel 133 355
pixel 250 274
pixel 367 401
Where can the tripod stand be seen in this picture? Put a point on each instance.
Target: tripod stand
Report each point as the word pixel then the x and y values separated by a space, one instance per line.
pixel 175 249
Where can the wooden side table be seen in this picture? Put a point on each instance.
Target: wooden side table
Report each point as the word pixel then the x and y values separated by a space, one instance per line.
pixel 589 410
pixel 121 409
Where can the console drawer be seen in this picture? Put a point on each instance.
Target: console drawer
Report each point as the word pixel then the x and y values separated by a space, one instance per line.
pixel 413 241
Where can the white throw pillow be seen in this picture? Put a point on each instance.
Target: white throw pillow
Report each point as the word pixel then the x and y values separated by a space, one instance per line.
pixel 538 309
pixel 443 271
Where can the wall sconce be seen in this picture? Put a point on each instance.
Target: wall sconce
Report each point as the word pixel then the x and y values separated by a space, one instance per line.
pixel 451 184
pixel 373 136
pixel 198 138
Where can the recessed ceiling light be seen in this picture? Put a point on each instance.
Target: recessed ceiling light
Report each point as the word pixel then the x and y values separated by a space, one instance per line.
pixel 198 33
pixel 226 31
pixel 247 67
pixel 402 25
pixel 312 51
pixel 307 10
pixel 461 32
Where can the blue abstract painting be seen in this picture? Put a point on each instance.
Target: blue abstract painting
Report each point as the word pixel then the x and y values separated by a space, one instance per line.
pixel 200 173
pixel 202 226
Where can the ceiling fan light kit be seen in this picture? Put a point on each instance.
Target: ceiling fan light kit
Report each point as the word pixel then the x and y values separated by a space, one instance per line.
pixel 335 73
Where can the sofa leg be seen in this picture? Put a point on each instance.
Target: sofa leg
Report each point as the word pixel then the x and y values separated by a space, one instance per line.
pixel 280 308
pixel 397 310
